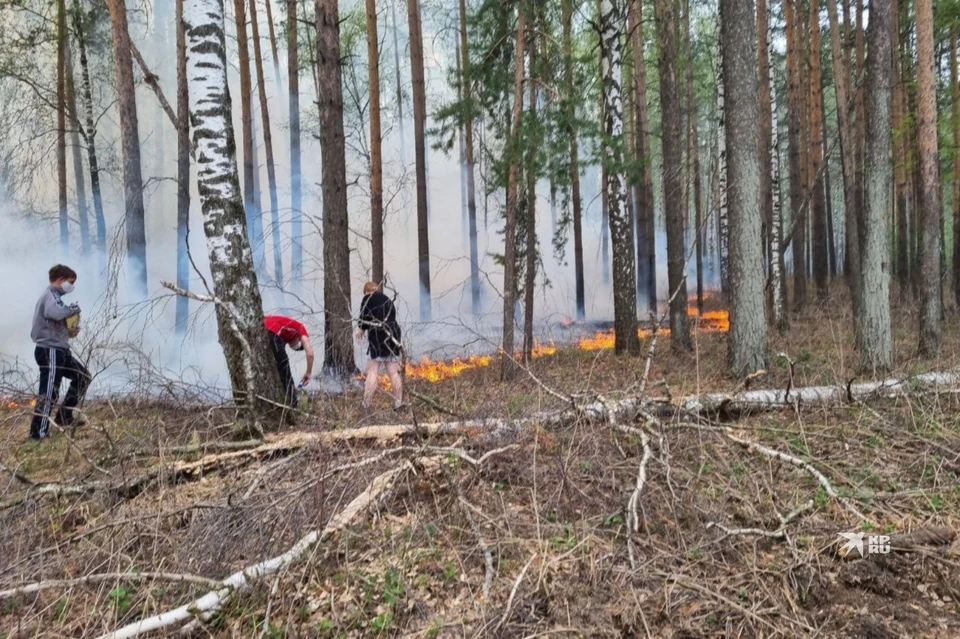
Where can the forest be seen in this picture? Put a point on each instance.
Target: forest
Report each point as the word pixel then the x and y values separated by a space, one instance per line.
pixel 663 294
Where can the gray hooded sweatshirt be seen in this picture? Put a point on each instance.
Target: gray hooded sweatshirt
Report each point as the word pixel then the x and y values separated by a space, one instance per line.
pixel 49 325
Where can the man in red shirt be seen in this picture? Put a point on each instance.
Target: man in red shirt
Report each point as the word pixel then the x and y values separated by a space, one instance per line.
pixel 285 331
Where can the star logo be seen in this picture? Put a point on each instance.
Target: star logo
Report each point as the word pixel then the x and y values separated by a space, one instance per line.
pixel 854 540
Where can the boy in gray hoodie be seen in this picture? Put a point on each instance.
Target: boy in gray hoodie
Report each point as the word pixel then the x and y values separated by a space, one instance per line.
pixel 51 336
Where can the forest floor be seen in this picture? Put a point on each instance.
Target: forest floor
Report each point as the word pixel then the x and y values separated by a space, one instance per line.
pixel 525 532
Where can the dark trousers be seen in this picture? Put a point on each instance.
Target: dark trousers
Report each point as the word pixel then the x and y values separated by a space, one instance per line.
pixel 279 348
pixel 55 365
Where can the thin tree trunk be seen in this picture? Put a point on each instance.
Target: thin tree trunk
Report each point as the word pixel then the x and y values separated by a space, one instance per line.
pixel 955 109
pixel 667 40
pixel 645 216
pixel 420 148
pixel 821 256
pixel 604 195
pixel 795 146
pixel 876 346
pixel 183 174
pixel 612 22
pixel 268 147
pixel 338 333
pixel 530 213
pixel 576 203
pixel 748 327
pixel 253 215
pixel 931 302
pixel 253 372
pixel 510 231
pixel 469 157
pixel 396 68
pixel 723 231
pixel 778 284
pixel 694 160
pixel 828 199
pixel 900 146
pixel 273 41
pixel 765 124
pixel 296 179
pixel 376 150
pixel 62 128
pixel 91 138
pixel 83 215
pixel 130 147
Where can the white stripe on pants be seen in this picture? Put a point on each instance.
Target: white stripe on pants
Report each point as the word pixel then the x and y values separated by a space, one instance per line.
pixel 51 379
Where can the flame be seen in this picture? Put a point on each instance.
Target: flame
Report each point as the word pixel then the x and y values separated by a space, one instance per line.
pixel 716 321
pixel 10 403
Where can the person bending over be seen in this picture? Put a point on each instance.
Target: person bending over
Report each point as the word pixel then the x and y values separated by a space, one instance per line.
pixel 285 331
pixel 54 323
pixel 378 319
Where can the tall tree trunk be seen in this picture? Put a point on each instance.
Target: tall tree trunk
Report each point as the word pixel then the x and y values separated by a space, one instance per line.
pixel 62 129
pixel 848 162
pixel 876 346
pixel 510 231
pixel 778 283
pixel 955 108
pixel 900 146
pixel 420 148
pixel 612 21
pixel 665 14
pixel 795 150
pixel 693 159
pixel 183 174
pixel 296 179
pixel 376 151
pixel 130 147
pixel 273 41
pixel 268 147
pixel 532 142
pixel 723 230
pixel 765 124
pixel 604 195
pixel 828 198
pixel 91 138
pixel 821 256
pixel 645 216
pixel 469 157
pixel 931 302
pixel 396 68
pixel 576 202
pixel 253 214
pixel 251 365
pixel 83 215
pixel 748 327
pixel 338 333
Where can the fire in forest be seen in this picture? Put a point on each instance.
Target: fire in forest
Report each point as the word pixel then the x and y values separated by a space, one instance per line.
pixel 714 321
pixel 11 403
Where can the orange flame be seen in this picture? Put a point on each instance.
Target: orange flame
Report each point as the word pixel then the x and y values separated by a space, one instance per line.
pixel 717 321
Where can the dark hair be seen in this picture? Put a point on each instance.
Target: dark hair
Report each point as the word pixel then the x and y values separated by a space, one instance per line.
pixel 62 272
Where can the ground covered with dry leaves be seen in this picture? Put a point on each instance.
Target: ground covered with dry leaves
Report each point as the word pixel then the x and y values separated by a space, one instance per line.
pixel 533 531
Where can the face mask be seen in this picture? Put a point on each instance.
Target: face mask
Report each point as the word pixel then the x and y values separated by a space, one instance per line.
pixel 67 288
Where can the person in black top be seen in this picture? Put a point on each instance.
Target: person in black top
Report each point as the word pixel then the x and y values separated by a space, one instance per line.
pixel 378 320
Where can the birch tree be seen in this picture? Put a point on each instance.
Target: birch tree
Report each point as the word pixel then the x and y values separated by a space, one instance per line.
pixel 876 346
pixel 612 21
pixel 748 328
pixel 253 371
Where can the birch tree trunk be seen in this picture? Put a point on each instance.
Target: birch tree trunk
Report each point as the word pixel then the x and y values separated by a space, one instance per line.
pixel 250 201
pixel 931 302
pixel 91 139
pixel 645 214
pixel 723 230
pixel 337 315
pixel 576 202
pixel 469 157
pixel 253 371
pixel 130 147
pixel 748 327
pixel 510 231
pixel 268 148
pixel 83 214
pixel 420 149
pixel 876 346
pixel 183 173
pixel 62 129
pixel 778 288
pixel 667 40
pixel 612 21
pixel 376 153
pixel 296 188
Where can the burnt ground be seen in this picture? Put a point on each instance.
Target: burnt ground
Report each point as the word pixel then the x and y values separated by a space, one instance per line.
pixel 552 512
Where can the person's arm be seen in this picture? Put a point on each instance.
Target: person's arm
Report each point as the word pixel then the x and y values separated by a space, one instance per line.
pixel 57 310
pixel 308 350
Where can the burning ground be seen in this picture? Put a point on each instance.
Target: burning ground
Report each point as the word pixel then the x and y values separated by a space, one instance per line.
pixel 519 520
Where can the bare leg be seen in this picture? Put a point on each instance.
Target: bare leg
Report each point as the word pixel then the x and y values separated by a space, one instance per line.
pixel 370 384
pixel 393 369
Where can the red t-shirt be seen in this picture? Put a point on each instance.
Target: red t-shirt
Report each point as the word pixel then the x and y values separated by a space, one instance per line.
pixel 289 330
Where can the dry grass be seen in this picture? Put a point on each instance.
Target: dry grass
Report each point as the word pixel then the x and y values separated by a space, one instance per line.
pixel 552 514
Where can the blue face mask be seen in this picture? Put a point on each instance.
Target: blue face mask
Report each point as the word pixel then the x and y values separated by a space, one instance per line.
pixel 67 288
